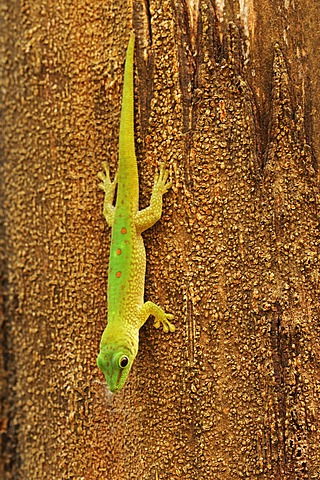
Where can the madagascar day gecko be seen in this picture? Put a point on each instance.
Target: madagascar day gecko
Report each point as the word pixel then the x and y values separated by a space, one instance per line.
pixel 127 311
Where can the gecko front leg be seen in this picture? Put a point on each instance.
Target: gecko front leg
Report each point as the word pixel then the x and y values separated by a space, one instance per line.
pixel 161 317
pixel 109 188
pixel 149 216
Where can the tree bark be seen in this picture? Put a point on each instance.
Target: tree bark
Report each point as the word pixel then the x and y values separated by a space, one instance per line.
pixel 227 94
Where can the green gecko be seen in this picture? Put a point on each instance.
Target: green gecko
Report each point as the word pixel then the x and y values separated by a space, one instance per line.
pixel 127 311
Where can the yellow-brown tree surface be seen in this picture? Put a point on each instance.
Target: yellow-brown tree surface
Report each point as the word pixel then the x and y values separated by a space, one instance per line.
pixel 227 94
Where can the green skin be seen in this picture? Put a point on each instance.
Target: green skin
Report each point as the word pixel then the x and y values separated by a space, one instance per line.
pixel 127 311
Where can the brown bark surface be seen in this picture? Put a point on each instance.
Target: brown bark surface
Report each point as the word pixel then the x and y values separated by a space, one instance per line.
pixel 227 95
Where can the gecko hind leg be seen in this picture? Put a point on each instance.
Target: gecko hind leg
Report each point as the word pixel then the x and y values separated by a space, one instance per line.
pixel 161 177
pixel 109 189
pixel 149 216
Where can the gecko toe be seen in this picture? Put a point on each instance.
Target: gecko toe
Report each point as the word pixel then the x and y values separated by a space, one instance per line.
pixel 157 323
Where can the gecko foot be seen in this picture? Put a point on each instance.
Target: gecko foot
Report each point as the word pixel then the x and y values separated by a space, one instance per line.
pixel 164 321
pixel 106 185
pixel 160 180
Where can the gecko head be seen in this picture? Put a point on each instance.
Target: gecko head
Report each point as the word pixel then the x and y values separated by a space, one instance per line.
pixel 115 360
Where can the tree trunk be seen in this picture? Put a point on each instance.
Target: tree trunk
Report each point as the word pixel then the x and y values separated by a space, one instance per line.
pixel 227 95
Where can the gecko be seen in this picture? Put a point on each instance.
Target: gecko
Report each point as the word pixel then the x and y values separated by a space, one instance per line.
pixel 127 311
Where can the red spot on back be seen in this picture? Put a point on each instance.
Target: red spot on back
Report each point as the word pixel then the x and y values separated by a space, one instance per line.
pixel 119 251
pixel 118 274
pixel 123 230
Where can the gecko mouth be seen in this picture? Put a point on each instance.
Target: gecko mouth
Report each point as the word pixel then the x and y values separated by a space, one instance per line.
pixel 117 386
pixel 110 393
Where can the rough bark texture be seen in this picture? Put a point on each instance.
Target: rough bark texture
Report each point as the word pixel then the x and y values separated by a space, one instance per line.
pixel 228 96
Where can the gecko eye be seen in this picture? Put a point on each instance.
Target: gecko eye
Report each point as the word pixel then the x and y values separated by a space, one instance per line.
pixel 123 362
